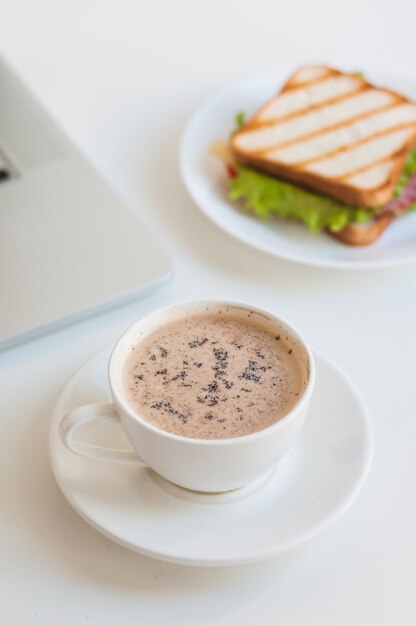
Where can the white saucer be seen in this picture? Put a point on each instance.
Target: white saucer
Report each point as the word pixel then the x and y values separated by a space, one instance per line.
pixel 206 181
pixel 316 482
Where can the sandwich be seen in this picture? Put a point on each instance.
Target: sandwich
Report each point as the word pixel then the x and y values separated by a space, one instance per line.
pixel 330 150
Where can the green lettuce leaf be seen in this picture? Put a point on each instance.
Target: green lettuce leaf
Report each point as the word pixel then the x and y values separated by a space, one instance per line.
pixel 240 120
pixel 409 168
pixel 266 196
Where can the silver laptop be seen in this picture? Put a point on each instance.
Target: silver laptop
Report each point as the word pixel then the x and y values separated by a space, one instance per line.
pixel 69 247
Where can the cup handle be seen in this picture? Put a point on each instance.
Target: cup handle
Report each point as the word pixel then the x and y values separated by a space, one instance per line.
pixel 84 415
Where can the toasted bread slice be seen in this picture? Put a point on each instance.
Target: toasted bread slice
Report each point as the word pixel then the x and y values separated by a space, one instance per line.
pixel 334 133
pixel 364 234
pixel 308 74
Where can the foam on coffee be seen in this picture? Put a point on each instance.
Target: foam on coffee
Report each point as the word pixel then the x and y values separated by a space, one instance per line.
pixel 215 374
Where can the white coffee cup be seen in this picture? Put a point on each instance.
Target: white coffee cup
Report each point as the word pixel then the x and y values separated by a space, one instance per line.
pixel 209 465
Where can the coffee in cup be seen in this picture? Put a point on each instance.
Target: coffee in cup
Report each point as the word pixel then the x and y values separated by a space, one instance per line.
pixel 214 374
pixel 183 376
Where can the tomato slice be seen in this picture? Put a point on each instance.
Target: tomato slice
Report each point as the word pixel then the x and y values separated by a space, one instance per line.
pixel 231 171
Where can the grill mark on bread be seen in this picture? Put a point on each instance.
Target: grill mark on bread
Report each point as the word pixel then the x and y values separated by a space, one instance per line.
pixel 256 123
pixel 295 83
pixel 397 165
pixel 325 130
pixel 388 175
pixel 392 156
pixel 349 146
pixel 398 139
pixel 356 85
pixel 317 132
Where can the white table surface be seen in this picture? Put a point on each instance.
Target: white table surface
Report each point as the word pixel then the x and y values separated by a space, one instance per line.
pixel 122 78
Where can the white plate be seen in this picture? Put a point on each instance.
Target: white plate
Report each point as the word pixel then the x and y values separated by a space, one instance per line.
pixel 316 482
pixel 206 181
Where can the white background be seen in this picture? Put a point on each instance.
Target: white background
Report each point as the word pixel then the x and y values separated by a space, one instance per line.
pixel 122 78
